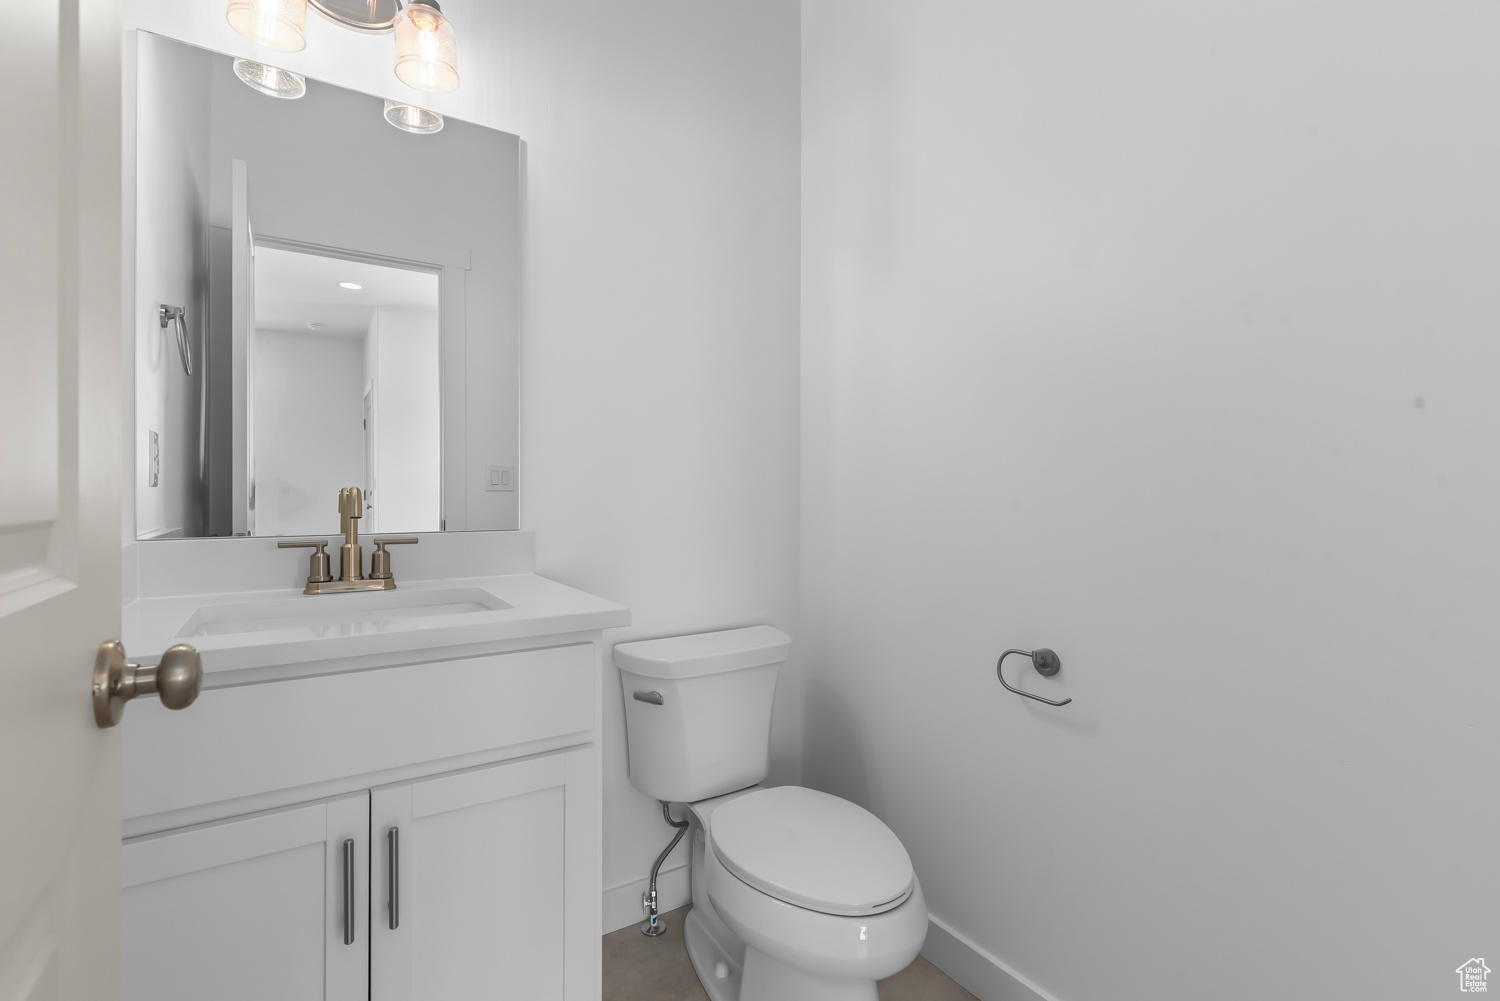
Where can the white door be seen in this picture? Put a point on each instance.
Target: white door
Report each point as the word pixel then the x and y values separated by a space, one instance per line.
pixel 496 886
pixel 60 449
pixel 273 905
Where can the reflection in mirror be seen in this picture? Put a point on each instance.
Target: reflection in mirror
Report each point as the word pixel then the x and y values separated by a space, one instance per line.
pixel 345 392
pixel 349 298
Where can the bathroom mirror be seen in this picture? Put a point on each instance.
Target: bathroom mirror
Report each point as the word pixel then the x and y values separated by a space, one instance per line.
pixel 321 300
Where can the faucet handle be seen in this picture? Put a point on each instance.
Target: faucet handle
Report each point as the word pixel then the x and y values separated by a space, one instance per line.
pixel 380 560
pixel 317 563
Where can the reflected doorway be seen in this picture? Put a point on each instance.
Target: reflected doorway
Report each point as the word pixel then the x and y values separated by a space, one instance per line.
pixel 346 391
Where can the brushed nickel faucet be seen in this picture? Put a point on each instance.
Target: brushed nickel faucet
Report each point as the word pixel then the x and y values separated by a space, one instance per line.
pixel 351 555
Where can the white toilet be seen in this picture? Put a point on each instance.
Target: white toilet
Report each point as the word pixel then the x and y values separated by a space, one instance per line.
pixel 797 895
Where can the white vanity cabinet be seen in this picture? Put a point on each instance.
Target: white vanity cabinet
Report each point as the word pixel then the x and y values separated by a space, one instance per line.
pixel 349 814
pixel 251 908
pixel 489 873
pixel 473 884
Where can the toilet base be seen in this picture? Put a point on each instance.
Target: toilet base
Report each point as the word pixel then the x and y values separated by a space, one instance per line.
pixel 766 979
pixel 763 978
pixel 706 955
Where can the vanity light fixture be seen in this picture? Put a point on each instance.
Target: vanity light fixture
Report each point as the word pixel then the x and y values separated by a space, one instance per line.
pixel 426 45
pixel 351 285
pixel 426 48
pixel 276 24
pixel 410 118
pixel 270 80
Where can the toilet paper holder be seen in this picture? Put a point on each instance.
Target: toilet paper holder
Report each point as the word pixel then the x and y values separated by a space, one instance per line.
pixel 1046 662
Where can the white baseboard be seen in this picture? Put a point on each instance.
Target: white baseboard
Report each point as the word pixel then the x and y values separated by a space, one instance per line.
pixel 983 975
pixel 622 904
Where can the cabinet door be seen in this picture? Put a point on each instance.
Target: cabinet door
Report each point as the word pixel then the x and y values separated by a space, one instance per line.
pixel 250 908
pixel 496 883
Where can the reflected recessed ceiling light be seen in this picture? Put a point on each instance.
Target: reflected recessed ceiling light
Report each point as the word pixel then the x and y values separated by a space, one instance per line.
pixel 410 118
pixel 270 80
pixel 316 326
pixel 350 285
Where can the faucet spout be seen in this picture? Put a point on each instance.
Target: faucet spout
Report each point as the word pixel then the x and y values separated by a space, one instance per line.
pixel 351 556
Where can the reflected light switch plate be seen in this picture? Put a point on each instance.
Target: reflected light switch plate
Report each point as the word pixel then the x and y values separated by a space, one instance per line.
pixel 500 478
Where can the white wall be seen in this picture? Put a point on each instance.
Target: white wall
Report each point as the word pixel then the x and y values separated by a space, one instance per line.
pixel 309 440
pixel 409 438
pixel 173 185
pixel 659 359
pixel 1162 335
pixel 659 347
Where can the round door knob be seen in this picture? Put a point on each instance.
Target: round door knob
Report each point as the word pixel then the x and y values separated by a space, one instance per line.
pixel 177 680
pixel 179 677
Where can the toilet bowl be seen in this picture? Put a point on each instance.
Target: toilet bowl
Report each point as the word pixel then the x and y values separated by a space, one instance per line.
pixel 798 895
pixel 847 930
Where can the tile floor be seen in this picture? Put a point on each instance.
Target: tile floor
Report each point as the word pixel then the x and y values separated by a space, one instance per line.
pixel 637 968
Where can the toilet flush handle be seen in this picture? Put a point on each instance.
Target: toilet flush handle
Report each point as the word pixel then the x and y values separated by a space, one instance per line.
pixel 1046 662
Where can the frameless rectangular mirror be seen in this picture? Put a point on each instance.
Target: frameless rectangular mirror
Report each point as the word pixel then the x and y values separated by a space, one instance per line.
pixel 322 300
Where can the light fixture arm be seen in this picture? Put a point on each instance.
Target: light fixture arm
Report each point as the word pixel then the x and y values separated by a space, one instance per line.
pixel 369 17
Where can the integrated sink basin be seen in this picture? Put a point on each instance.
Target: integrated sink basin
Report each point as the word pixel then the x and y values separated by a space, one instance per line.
pixel 341 614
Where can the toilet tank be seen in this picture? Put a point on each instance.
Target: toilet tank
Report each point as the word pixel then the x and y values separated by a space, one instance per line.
pixel 698 710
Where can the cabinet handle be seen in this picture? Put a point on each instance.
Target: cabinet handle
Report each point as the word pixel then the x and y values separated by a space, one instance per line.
pixel 393 841
pixel 348 891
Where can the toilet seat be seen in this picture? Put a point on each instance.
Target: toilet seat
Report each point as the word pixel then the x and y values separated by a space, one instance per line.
pixel 812 850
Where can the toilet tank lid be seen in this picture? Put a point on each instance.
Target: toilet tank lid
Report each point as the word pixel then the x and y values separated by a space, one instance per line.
pixel 704 653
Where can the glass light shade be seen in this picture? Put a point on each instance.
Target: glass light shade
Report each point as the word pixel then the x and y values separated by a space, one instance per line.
pixel 426 49
pixel 410 118
pixel 270 80
pixel 276 24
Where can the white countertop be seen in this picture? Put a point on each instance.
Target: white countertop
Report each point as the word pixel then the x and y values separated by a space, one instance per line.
pixel 296 633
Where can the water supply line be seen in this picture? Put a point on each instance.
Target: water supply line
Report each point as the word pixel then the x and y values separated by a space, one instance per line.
pixel 655 924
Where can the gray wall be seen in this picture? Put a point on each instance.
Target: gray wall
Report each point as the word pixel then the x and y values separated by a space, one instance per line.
pixel 1163 335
